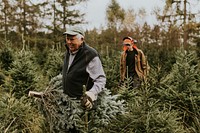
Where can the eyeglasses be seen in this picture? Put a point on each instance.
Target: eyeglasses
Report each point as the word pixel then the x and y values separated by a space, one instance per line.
pixel 127 44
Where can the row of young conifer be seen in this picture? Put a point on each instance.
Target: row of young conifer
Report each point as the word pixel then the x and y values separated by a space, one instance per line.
pixel 168 102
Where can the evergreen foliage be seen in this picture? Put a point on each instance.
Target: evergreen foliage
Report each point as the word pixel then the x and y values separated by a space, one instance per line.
pixel 53 64
pixel 146 114
pixel 111 67
pixel 160 57
pixel 6 56
pixel 181 88
pixel 63 113
pixel 19 116
pixel 23 74
pixel 41 57
pixel 2 78
pixel 164 104
pixel 169 102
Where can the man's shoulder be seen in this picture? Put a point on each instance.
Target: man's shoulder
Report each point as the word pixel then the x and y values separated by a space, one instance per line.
pixel 139 51
pixel 91 49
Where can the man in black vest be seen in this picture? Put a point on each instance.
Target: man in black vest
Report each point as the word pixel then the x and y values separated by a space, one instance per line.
pixel 82 66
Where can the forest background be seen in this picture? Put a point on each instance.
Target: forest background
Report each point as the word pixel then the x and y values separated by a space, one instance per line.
pixel 32 54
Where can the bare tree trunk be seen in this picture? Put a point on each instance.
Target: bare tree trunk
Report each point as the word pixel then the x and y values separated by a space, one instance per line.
pixel 185 28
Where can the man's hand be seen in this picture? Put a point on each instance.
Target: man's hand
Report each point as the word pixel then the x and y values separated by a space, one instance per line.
pixel 87 100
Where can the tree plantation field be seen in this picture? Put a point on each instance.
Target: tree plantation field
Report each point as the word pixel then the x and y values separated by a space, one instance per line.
pixel 32 48
pixel 168 102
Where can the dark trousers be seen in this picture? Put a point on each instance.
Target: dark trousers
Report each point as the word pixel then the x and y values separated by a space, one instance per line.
pixel 134 81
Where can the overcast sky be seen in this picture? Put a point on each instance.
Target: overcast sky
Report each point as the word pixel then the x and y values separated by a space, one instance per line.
pixel 96 10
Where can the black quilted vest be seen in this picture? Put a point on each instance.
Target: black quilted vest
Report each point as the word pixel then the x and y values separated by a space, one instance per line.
pixel 76 76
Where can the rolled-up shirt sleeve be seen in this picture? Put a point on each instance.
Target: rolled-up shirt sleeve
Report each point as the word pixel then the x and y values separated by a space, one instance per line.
pixel 96 72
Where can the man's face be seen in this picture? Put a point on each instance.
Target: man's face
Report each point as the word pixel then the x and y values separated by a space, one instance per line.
pixel 73 43
pixel 127 44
